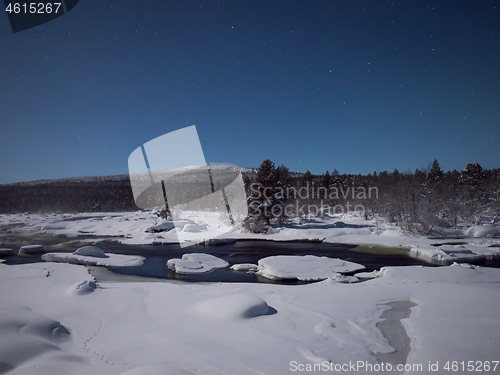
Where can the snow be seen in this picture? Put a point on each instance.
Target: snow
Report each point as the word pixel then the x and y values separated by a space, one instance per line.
pixel 196 263
pixel 166 328
pixel 31 249
pixel 234 306
pixel 306 268
pixel 163 227
pixel 448 254
pixel 485 230
pixel 94 256
pixel 82 288
pixel 245 267
pixel 145 227
pixel 55 318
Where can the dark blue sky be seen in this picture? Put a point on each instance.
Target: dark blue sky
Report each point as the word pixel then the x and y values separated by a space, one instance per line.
pixel 354 85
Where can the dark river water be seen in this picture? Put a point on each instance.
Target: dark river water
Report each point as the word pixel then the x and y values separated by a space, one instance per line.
pixel 243 251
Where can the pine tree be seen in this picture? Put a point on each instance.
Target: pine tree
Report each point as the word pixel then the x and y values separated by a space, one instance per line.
pixel 326 180
pixel 266 174
pixel 435 173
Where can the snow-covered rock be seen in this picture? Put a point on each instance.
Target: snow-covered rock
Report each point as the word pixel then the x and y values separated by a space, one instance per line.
pixel 82 288
pixel 196 263
pixel 485 230
pixel 91 251
pixel 32 249
pixel 234 306
pixel 245 267
pixel 306 268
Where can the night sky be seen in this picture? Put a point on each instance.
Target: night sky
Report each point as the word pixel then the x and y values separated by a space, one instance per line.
pixel 357 86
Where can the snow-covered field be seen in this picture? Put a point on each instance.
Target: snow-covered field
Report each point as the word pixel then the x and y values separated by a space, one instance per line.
pixel 56 320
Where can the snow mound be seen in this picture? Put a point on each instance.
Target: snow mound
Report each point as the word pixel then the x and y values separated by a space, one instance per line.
pixel 27 334
pixel 245 267
pixel 306 268
pixel 91 251
pixel 31 249
pixel 4 252
pixel 196 263
pixel 233 306
pixel 486 230
pixel 82 288
pixel 110 260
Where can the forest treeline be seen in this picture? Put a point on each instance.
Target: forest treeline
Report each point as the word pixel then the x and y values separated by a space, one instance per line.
pixel 87 194
pixel 417 201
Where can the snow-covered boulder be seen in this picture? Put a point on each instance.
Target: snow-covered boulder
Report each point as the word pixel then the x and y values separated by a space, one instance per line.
pixel 82 288
pixel 306 268
pixel 91 251
pixel 196 263
pixel 245 267
pixel 485 230
pixel 32 249
pixel 234 306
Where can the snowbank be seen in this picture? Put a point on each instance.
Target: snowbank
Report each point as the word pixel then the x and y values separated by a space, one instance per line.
pixel 32 249
pixel 143 227
pixel 94 256
pixel 306 268
pixel 27 334
pixel 196 263
pixel 445 255
pixel 154 328
pixel 485 230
